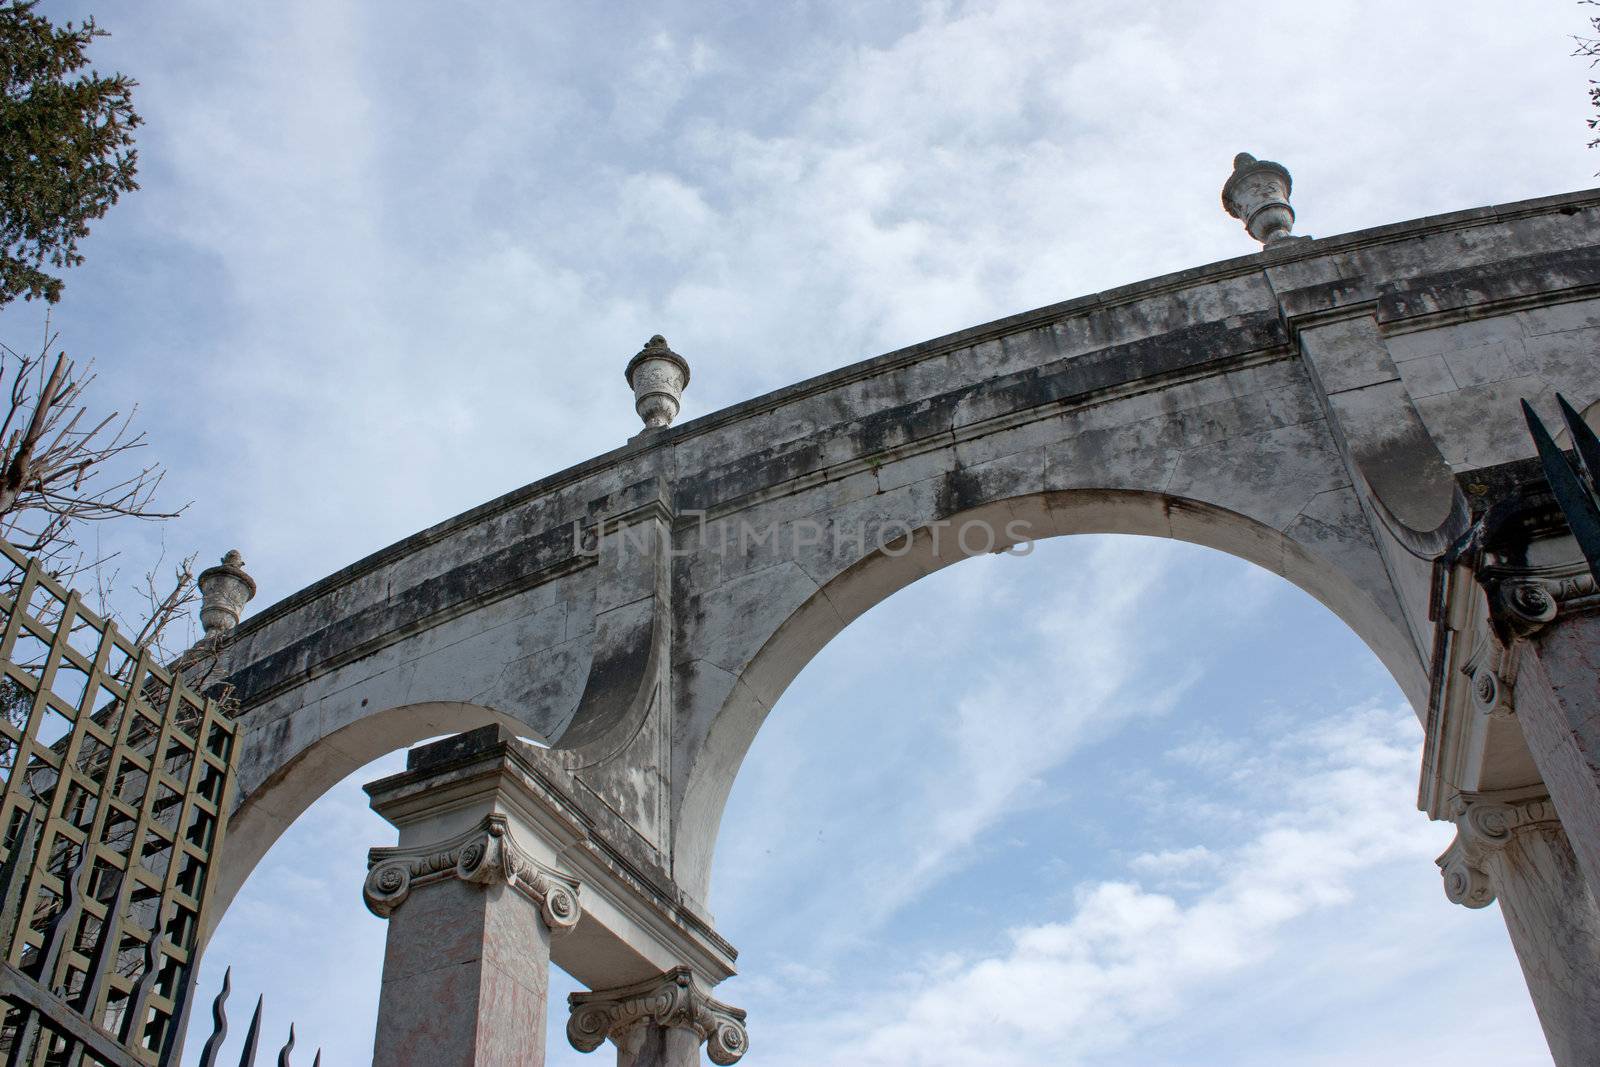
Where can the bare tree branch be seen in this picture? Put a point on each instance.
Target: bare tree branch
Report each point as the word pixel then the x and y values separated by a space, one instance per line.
pixel 1589 48
pixel 63 469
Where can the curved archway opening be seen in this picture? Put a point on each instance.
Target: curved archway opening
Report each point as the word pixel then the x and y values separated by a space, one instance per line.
pixel 293 924
pixel 1085 808
pixel 1329 555
pixel 272 802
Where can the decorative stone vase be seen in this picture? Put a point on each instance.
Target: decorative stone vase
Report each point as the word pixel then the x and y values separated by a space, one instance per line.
pixel 658 376
pixel 224 591
pixel 1257 193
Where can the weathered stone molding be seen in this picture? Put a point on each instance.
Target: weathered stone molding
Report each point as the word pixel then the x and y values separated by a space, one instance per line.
pixel 1523 601
pixel 670 1000
pixel 487 854
pixel 1484 825
pixel 1491 671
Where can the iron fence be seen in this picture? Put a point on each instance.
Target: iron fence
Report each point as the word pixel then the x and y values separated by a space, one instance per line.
pixel 113 780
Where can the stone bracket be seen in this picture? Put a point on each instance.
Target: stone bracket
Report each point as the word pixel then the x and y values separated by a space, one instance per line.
pixel 1491 672
pixel 1372 415
pixel 1486 823
pixel 631 541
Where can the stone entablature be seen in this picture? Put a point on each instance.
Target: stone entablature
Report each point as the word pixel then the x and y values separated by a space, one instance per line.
pixel 483 808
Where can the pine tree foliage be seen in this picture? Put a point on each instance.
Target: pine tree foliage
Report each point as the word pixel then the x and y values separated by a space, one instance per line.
pixel 66 147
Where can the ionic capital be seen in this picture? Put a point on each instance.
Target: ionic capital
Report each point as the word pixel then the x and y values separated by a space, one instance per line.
pixel 670 1000
pixel 1485 824
pixel 486 854
pixel 1491 673
pixel 1523 601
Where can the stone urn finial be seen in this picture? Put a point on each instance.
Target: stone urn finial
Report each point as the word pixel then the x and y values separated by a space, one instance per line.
pixel 658 376
pixel 224 591
pixel 1257 193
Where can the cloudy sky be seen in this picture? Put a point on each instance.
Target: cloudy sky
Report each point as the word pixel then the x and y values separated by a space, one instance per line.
pixel 390 258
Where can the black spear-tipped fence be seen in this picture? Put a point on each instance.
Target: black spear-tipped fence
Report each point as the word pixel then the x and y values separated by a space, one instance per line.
pixel 114 776
pixel 1575 483
pixel 252 1037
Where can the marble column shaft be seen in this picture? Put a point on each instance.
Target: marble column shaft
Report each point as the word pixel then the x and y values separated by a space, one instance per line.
pixel 466 974
pixel 466 968
pixel 1517 853
pixel 1558 705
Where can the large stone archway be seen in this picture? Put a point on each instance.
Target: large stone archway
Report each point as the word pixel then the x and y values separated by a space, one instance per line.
pixel 1306 558
pixel 1341 411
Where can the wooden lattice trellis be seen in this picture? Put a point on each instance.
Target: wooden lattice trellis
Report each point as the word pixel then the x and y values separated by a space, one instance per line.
pixel 112 808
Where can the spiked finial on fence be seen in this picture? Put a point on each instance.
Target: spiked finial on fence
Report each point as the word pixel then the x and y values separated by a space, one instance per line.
pixel 252 1036
pixel 1575 483
pixel 134 1017
pixel 219 1022
pixel 283 1056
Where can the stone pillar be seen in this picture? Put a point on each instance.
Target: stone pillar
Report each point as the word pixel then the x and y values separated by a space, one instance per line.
pixel 1512 848
pixel 1558 703
pixel 659 1022
pixel 471 914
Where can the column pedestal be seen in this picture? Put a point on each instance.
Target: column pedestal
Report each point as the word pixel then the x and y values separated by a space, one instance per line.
pixel 1514 850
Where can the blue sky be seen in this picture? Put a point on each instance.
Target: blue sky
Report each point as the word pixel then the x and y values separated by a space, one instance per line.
pixel 1116 802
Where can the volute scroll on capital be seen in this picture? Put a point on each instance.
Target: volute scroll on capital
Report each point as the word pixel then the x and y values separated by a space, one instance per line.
pixel 672 1000
pixel 1524 602
pixel 1484 825
pixel 1491 672
pixel 487 854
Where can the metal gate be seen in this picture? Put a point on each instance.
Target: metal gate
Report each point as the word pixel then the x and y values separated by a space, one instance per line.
pixel 115 777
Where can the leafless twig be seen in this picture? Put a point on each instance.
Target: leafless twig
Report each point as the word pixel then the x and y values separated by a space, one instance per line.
pixel 1589 47
pixel 63 469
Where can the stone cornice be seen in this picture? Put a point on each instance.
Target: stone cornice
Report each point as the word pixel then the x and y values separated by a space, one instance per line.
pixel 1486 823
pixel 673 1000
pixel 487 854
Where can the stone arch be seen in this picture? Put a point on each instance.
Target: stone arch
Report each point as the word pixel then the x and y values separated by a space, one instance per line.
pixel 880 574
pixel 266 808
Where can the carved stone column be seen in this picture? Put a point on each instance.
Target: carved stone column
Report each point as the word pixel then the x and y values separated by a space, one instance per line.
pixel 1552 616
pixel 1513 848
pixel 659 1022
pixel 471 914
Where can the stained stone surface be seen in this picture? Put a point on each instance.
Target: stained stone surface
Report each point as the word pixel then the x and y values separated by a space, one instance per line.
pixel 466 977
pixel 1342 411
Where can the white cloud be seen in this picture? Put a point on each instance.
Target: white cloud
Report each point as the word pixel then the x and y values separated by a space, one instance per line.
pixel 1131 970
pixel 390 259
pixel 1173 861
pixel 1035 661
